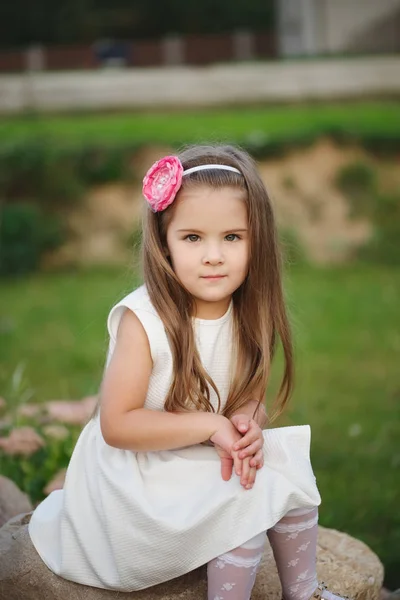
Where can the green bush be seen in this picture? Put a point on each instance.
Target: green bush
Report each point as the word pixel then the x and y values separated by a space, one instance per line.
pixel 293 251
pixel 384 245
pixel 38 169
pixel 384 146
pixel 359 183
pixel 26 232
pixel 34 472
pixel 55 174
pixel 261 145
pixel 96 164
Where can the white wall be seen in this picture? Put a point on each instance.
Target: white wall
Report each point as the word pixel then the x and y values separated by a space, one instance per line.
pixel 296 27
pixel 344 20
pixel 309 27
pixel 217 85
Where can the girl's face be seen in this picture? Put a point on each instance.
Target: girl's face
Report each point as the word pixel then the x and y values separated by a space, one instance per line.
pixel 208 243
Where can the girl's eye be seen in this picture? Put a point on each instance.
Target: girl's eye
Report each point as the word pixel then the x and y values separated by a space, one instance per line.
pixel 231 237
pixel 192 237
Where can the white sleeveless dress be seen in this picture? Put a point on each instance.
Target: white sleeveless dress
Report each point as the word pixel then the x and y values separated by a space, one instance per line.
pixel 129 520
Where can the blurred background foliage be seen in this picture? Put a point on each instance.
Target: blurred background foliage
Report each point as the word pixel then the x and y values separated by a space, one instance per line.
pixel 48 163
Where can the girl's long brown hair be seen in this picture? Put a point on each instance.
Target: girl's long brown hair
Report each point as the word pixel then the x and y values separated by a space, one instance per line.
pixel 259 315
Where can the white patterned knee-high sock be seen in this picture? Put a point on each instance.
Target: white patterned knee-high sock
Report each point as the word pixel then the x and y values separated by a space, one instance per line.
pixel 294 544
pixel 231 576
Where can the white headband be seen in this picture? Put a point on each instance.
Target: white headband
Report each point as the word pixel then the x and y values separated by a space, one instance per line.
pixel 203 167
pixel 163 180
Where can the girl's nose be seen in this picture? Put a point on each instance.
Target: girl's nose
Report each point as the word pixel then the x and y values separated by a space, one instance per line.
pixel 213 255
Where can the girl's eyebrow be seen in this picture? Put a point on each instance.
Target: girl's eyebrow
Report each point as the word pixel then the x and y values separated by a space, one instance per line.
pixel 233 229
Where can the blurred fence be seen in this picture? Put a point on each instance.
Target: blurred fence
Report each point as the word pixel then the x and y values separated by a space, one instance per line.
pixel 200 87
pixel 172 50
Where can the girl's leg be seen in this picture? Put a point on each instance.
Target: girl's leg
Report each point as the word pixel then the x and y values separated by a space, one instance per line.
pixel 294 543
pixel 231 576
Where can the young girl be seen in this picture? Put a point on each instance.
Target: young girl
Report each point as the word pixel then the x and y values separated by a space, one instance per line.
pixel 174 470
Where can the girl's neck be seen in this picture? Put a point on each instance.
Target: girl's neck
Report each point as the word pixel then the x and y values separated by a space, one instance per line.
pixel 210 311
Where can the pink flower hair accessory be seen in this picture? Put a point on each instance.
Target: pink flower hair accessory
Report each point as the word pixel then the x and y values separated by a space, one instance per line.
pixel 162 182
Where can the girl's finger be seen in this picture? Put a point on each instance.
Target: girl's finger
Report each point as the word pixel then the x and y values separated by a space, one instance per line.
pixel 244 479
pixel 237 464
pixel 226 467
pixel 250 437
pixel 242 427
pixel 251 450
pixel 252 477
pixel 242 424
pixel 257 459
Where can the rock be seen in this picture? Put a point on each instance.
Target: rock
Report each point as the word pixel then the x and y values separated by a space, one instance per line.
pixel 345 564
pixel 388 595
pixel 12 501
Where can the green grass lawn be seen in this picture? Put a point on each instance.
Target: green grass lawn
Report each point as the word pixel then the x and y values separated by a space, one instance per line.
pixel 237 124
pixel 347 337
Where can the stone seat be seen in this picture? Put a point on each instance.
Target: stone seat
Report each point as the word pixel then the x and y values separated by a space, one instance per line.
pixel 345 564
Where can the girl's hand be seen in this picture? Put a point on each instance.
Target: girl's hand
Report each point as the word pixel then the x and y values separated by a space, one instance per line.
pixel 224 438
pixel 226 462
pixel 249 447
pixel 247 473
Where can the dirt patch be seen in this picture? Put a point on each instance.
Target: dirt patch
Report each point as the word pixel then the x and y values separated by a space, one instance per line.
pixel 305 198
pixel 301 187
pixel 101 227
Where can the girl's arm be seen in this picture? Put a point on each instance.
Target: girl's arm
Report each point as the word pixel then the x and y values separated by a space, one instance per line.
pixel 143 430
pixel 124 422
pixel 254 411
